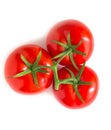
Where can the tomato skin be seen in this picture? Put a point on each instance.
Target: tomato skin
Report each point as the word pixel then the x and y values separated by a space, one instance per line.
pixel 78 31
pixel 14 65
pixel 66 94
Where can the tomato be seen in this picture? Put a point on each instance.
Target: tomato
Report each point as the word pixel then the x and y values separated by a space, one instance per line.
pixel 76 89
pixel 24 69
pixel 71 40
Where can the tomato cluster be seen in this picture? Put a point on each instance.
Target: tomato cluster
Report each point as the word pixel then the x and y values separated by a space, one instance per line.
pixel 31 69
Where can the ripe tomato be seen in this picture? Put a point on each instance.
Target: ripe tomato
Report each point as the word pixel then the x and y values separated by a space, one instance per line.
pixel 72 40
pixel 24 69
pixel 79 92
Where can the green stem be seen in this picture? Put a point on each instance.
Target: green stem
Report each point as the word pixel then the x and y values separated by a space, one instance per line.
pixel 56 79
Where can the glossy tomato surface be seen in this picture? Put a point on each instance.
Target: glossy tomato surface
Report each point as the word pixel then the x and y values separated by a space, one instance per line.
pixel 15 65
pixel 66 94
pixel 78 32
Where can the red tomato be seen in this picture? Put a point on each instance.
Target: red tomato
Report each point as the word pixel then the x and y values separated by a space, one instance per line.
pixel 74 38
pixel 23 72
pixel 81 92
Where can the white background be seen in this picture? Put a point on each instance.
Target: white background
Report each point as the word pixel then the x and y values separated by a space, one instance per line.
pixel 22 21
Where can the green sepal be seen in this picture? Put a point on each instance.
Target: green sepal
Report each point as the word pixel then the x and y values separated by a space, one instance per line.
pixel 72 60
pixel 32 68
pixel 23 73
pixel 60 43
pixel 80 72
pixel 79 52
pixel 37 59
pixel 78 94
pixel 84 83
pixel 35 78
pixel 75 81
pixel 69 50
pixel 80 42
pixel 26 62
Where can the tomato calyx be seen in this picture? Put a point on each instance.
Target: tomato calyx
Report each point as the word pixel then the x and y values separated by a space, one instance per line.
pixel 75 81
pixel 70 49
pixel 32 68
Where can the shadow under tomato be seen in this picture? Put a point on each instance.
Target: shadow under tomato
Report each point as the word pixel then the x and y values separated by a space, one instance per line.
pixel 40 41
